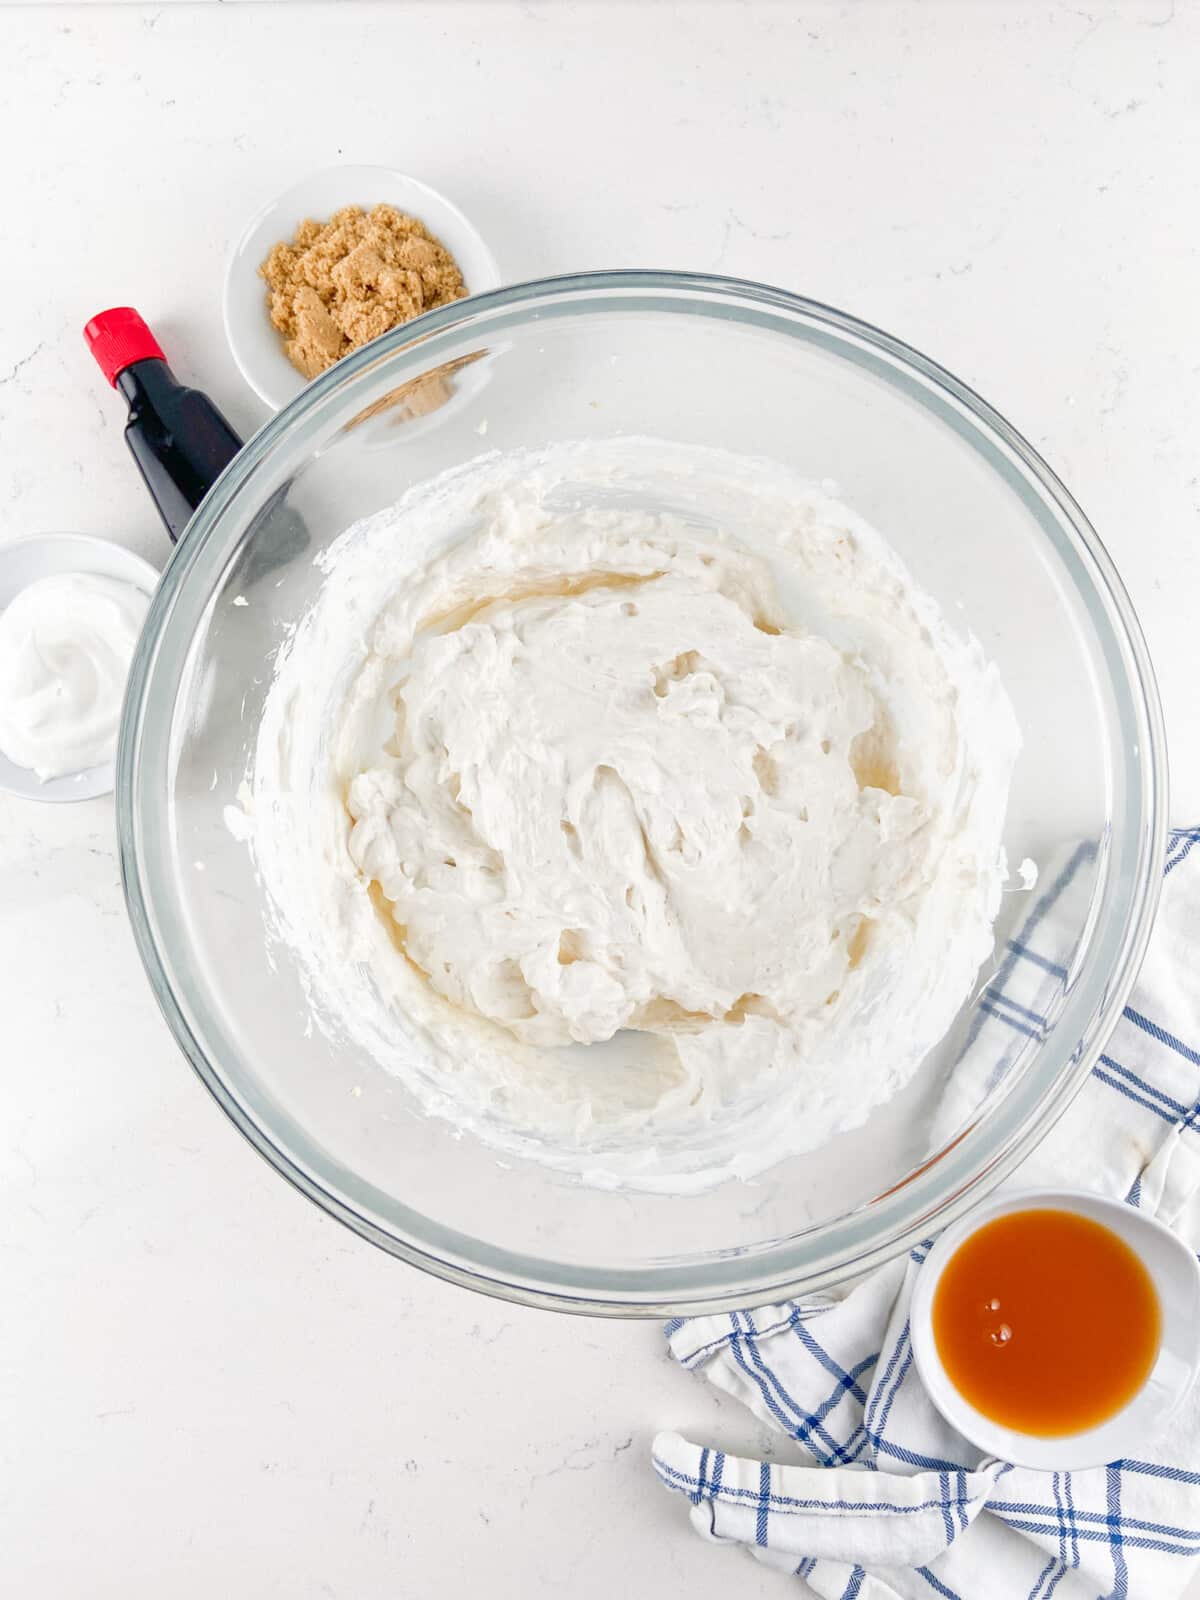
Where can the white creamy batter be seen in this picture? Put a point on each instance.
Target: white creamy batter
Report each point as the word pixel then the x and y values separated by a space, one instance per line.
pixel 66 642
pixel 631 803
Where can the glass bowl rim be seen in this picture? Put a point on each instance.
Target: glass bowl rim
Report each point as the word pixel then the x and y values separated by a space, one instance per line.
pixel 927 1199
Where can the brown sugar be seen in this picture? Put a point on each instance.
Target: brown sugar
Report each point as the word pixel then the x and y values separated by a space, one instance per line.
pixel 343 282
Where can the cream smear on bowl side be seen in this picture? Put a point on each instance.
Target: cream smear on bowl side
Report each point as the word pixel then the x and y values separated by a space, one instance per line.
pixel 653 844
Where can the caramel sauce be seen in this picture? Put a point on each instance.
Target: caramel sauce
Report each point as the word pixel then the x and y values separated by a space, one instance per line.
pixel 872 761
pixel 1046 1322
pixel 543 588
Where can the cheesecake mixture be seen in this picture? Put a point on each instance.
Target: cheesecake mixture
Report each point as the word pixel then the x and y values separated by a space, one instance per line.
pixel 632 804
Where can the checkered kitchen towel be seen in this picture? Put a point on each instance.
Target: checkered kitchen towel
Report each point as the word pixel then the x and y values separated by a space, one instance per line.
pixel 897 1506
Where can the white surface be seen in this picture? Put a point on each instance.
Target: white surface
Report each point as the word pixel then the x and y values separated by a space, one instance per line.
pixel 205 1385
pixel 256 347
pixel 1176 1276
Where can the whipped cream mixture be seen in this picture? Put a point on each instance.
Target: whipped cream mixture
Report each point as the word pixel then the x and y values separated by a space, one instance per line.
pixel 631 803
pixel 66 642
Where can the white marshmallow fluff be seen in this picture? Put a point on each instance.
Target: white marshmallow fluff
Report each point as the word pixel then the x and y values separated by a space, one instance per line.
pixel 631 804
pixel 66 642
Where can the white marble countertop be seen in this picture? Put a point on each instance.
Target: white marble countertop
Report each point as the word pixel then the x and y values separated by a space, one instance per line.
pixel 206 1386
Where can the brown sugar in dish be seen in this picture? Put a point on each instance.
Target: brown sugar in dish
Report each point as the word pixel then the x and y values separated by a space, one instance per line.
pixel 341 283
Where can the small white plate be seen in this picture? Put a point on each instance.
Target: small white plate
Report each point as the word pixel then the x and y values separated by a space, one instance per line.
pixel 1176 1275
pixel 24 561
pixel 256 347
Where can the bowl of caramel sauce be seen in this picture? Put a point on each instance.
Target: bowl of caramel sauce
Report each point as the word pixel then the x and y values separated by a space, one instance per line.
pixel 1057 1329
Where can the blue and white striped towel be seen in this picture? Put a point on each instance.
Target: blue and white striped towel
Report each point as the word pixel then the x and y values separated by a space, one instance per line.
pixel 898 1506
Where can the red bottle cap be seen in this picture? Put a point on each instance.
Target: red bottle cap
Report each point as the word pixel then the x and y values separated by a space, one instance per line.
pixel 118 338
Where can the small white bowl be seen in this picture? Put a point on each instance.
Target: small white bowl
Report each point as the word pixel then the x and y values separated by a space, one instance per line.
pixel 1176 1276
pixel 256 347
pixel 44 555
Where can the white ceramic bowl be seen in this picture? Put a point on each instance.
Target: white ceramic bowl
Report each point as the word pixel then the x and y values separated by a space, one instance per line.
pixel 256 347
pixel 24 561
pixel 1176 1276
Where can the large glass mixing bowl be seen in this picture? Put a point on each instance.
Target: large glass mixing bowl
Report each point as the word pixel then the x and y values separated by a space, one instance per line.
pixel 982 523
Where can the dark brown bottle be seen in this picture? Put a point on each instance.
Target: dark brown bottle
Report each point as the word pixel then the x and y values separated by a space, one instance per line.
pixel 178 438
